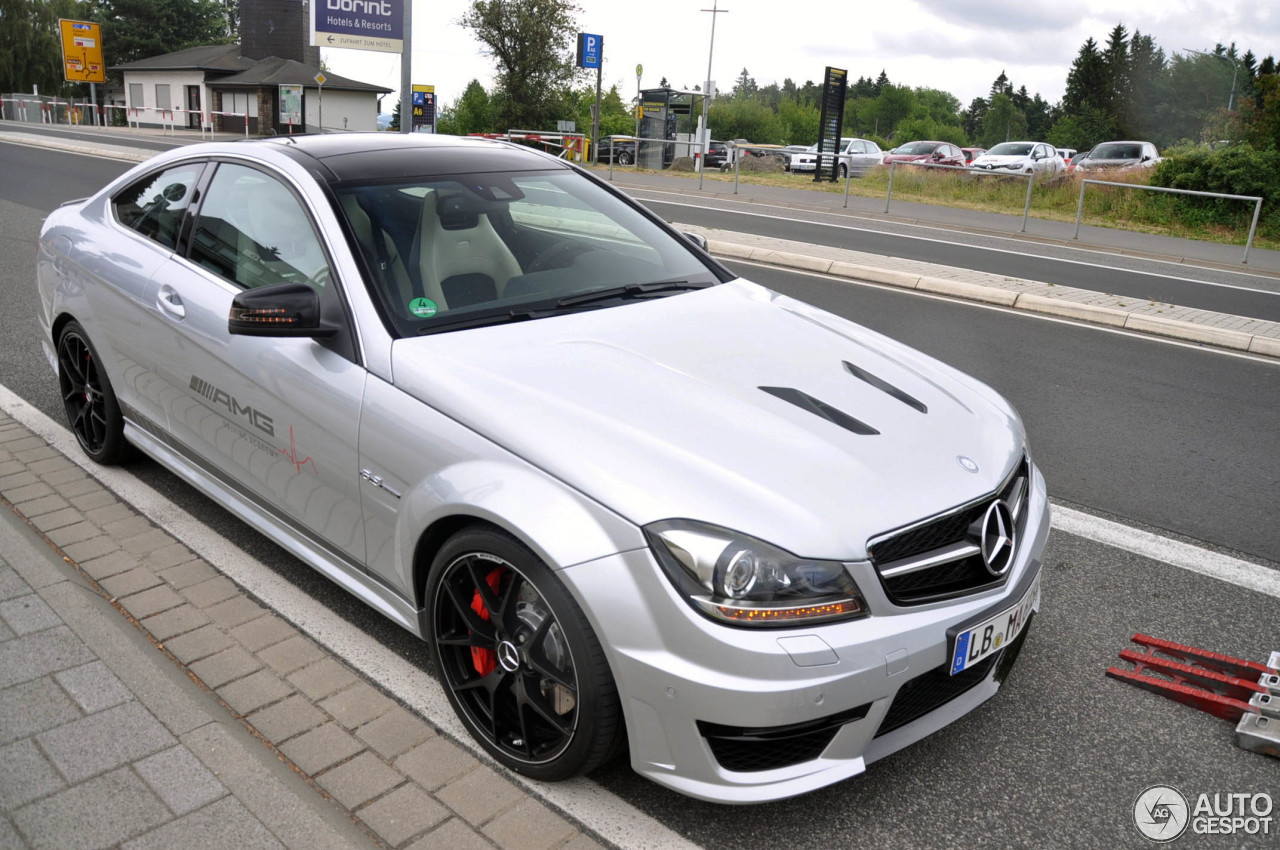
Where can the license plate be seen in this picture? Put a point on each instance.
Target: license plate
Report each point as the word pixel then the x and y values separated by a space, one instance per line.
pixel 992 635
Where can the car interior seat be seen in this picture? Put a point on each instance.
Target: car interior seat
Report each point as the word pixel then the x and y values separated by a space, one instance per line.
pixel 384 258
pixel 461 258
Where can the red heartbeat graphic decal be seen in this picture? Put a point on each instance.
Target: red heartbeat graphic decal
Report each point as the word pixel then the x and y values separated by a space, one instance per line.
pixel 292 454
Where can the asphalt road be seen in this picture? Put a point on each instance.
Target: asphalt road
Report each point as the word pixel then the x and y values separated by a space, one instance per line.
pixel 1170 437
pixel 1235 293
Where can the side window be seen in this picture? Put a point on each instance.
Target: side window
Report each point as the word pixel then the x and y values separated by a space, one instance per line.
pixel 154 205
pixel 254 232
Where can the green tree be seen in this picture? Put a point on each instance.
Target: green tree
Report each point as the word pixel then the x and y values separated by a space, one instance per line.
pixel 799 122
pixel 1082 129
pixel 743 118
pixel 744 86
pixel 925 128
pixel 470 113
pixel 1087 79
pixel 1001 85
pixel 1115 61
pixel 971 118
pixel 1146 87
pixel 136 29
pixel 1002 122
pixel 529 41
pixel 31 44
pixel 892 105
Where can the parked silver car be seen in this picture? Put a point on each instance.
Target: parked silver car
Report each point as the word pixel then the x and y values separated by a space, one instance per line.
pixel 857 157
pixel 1114 155
pixel 614 486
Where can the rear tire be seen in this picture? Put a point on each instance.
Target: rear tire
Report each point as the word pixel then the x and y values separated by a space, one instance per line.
pixel 92 410
pixel 843 171
pixel 518 659
pixel 624 158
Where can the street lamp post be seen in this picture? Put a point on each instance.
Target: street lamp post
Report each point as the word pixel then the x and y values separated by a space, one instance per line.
pixel 706 92
pixel 1235 70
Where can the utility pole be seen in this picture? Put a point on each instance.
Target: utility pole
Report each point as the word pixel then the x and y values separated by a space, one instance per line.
pixel 406 71
pixel 706 99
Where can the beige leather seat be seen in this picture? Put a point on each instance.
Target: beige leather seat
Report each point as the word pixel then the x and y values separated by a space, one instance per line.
pixel 468 246
pixel 390 272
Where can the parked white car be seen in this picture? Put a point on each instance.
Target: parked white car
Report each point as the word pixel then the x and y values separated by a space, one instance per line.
pixel 857 157
pixel 1026 157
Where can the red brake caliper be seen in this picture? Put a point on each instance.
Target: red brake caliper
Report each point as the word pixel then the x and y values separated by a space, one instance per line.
pixel 483 659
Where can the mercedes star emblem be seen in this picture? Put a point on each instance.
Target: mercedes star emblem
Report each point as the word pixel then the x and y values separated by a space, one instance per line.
pixel 998 538
pixel 509 656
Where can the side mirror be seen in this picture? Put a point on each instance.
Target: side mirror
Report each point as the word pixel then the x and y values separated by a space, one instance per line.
pixel 697 239
pixel 281 310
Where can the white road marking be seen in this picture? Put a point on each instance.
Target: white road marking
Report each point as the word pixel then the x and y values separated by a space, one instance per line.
pixel 600 810
pixel 1014 311
pixel 1196 559
pixel 1021 252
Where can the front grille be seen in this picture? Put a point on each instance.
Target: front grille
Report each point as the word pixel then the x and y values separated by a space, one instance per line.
pixel 936 688
pixel 900 557
pixel 749 750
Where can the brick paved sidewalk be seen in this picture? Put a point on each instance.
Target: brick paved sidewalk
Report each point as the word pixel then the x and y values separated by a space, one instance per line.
pixel 266 741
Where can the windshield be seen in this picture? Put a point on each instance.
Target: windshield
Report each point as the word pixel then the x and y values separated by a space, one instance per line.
pixel 1116 151
pixel 1010 149
pixel 451 251
pixel 918 148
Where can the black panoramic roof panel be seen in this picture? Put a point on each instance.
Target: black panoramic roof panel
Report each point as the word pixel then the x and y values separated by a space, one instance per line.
pixel 388 156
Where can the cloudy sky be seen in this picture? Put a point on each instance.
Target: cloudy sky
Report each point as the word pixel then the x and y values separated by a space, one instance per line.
pixel 956 45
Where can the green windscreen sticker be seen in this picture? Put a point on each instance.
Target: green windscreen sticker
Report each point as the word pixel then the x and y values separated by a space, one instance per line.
pixel 423 308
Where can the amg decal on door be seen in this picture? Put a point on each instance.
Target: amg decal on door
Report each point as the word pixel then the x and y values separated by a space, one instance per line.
pixel 257 418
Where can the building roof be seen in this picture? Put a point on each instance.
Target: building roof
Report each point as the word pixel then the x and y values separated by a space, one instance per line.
pixel 274 71
pixel 232 69
pixel 209 57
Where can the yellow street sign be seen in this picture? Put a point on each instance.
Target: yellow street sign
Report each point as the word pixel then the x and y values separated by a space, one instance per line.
pixel 82 52
pixel 320 78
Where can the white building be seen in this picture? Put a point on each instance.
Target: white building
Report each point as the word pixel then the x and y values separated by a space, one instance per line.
pixel 217 86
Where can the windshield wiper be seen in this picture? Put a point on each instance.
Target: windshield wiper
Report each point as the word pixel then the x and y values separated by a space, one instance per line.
pixel 502 318
pixel 631 290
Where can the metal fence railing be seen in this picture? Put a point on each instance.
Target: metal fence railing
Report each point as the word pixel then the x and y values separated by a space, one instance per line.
pixel 1029 175
pixel 1253 227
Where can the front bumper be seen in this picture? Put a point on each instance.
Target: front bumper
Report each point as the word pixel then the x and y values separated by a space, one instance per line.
pixel 698 695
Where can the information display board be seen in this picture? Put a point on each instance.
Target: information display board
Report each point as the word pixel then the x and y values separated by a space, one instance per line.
pixel 835 82
pixel 82 52
pixel 291 106
pixel 424 109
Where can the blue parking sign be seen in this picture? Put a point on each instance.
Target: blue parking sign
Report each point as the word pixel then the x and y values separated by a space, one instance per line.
pixel 590 50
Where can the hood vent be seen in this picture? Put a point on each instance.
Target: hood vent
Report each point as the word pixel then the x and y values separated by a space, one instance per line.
pixel 804 401
pixel 885 387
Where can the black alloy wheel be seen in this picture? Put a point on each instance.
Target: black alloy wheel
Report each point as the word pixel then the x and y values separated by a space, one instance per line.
pixel 518 659
pixel 92 410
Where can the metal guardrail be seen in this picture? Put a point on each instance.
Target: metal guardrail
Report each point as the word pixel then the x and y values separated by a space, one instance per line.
pixel 1253 228
pixel 1031 182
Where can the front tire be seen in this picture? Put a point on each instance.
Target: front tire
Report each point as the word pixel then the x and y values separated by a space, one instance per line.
pixel 92 410
pixel 519 660
pixel 844 171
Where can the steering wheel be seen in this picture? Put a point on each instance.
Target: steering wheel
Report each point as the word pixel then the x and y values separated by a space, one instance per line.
pixel 544 260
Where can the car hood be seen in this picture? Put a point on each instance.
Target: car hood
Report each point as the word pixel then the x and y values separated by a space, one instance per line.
pixel 657 410
pixel 998 161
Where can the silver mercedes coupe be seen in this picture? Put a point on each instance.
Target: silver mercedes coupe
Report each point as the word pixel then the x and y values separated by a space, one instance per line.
pixel 628 498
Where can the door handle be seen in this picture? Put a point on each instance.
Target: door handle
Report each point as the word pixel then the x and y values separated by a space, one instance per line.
pixel 169 301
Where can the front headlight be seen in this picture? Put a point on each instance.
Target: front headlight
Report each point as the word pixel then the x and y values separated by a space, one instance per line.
pixel 737 579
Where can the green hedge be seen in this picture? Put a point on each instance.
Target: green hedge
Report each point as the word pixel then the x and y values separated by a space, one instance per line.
pixel 1236 170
